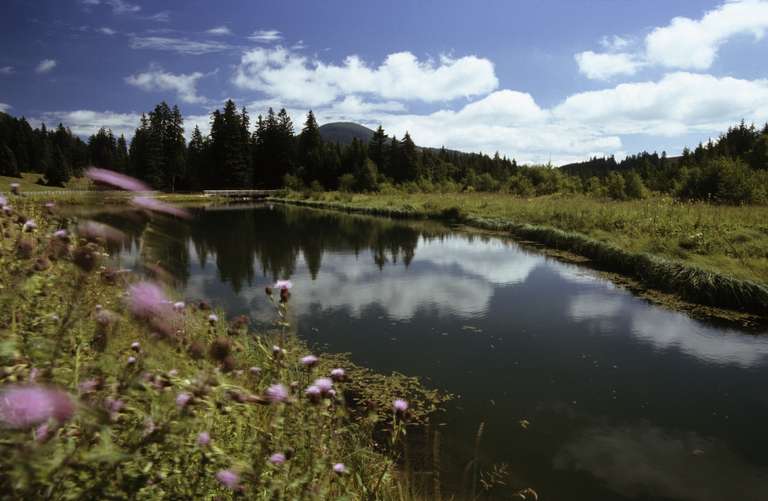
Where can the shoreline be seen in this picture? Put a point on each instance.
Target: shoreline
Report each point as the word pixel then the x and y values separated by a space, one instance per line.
pixel 692 289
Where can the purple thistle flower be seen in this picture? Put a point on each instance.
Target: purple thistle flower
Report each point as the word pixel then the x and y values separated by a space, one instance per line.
pixel 24 406
pixel 42 432
pixel 153 205
pixel 338 374
pixel 255 371
pixel 277 393
pixel 136 346
pixel 178 306
pixel 29 226
pixel 203 438
pixel 339 468
pixel 7 209
pixel 314 393
pixel 213 318
pixel 183 399
pixel 15 188
pixel 114 405
pixel 61 234
pixel 309 361
pixel 228 478
pixel 325 384
pixel 131 360
pixel 283 284
pixel 277 458
pixel 147 299
pixel 400 405
pixel 115 179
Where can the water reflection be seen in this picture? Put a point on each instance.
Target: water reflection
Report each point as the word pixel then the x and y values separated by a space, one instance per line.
pixel 515 334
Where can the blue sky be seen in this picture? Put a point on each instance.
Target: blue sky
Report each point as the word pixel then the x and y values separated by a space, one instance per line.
pixel 533 79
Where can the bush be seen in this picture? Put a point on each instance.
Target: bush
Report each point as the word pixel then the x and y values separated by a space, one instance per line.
pixel 347 183
pixel 616 186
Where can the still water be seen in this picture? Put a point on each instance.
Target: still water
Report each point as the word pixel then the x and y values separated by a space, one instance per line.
pixel 622 399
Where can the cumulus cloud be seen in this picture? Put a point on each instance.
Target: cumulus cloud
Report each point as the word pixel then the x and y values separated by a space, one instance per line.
pixel 106 31
pixel 123 7
pixel 5 107
pixel 266 36
pixel 156 79
pixel 45 66
pixel 219 30
pixel 603 66
pixel 684 43
pixel 297 79
pixel 179 45
pixel 679 103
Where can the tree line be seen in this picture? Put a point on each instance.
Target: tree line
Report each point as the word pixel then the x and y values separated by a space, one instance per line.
pixel 270 154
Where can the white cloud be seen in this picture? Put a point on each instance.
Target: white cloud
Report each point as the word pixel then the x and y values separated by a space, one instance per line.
pixel 354 106
pixel 160 17
pixel 180 45
pixel 5 107
pixel 45 66
pixel 87 122
pixel 184 85
pixel 677 104
pixel 683 44
pixel 693 44
pixel 107 31
pixel 295 78
pixel 300 45
pixel 7 70
pixel 265 36
pixel 219 30
pixel 603 66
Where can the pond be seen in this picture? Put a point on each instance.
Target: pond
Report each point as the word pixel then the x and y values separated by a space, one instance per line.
pixel 586 392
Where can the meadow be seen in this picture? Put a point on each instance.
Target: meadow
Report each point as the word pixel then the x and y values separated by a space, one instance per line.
pixel 114 387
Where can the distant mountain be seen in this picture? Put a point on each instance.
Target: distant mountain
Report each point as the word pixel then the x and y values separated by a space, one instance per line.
pixel 344 132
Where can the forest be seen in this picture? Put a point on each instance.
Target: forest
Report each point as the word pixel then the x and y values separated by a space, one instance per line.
pixel 731 169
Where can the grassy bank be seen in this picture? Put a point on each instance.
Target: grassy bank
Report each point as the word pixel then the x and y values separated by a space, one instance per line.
pixel 158 401
pixel 712 255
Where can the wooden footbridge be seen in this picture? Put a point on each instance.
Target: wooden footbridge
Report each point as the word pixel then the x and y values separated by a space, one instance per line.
pixel 244 194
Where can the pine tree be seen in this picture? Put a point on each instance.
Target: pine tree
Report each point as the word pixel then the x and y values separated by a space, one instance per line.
pixel 410 164
pixel 58 170
pixel 377 148
pixel 8 165
pixel 310 150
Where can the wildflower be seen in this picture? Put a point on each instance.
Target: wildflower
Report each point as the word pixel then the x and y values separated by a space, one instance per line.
pixel 173 373
pixel 277 393
pixel 42 432
pixel 213 318
pixel 277 458
pixel 285 295
pixel 255 371
pixel 29 225
pixel 268 290
pixel 114 406
pixel 203 438
pixel 24 406
pixel 61 234
pixel 105 318
pixel 42 264
pixel 154 205
pixel 339 468
pixel 147 299
pixel 196 350
pixel 178 306
pixel 400 406
pixel 283 284
pixel 49 206
pixel 325 384
pixel 15 189
pixel 25 247
pixel 338 374
pixel 314 394
pixel 136 346
pixel 228 364
pixel 131 360
pixel 309 361
pixel 104 176
pixel 183 399
pixel 3 201
pixel 7 210
pixel 228 478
